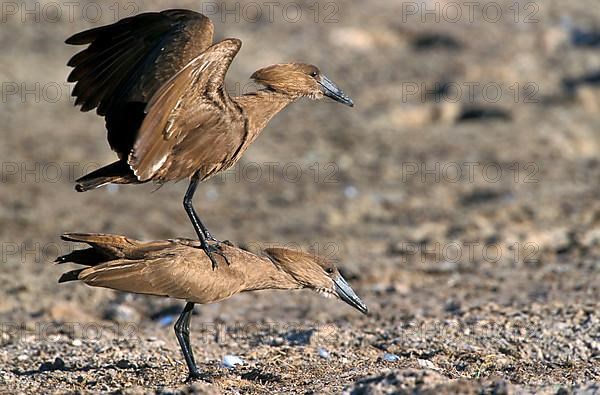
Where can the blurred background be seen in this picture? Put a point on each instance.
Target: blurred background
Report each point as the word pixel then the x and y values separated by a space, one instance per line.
pixel 459 197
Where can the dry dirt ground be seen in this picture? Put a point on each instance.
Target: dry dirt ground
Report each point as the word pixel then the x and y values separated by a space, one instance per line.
pixel 460 197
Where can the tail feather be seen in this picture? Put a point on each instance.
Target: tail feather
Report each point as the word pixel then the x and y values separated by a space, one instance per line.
pixel 95 238
pixel 73 275
pixel 104 249
pixel 109 246
pixel 87 257
pixel 118 172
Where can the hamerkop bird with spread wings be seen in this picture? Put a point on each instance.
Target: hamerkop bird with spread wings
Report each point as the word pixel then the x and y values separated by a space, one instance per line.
pixel 177 269
pixel 158 80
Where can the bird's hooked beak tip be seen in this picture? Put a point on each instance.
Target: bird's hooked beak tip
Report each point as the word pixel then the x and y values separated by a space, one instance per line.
pixel 332 91
pixel 347 294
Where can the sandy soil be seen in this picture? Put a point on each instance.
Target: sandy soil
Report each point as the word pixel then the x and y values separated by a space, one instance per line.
pixel 474 239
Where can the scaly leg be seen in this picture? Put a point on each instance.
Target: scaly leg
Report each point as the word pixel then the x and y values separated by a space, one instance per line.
pixel 182 331
pixel 201 231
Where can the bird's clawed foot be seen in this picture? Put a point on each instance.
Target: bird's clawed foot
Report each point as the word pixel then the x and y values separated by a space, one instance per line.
pixel 196 375
pixel 210 238
pixel 215 248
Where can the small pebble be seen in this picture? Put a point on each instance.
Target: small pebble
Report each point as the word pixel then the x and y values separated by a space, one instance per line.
pixel 390 357
pixel 166 320
pixel 23 357
pixel 121 313
pixel 323 353
pixel 77 343
pixel 157 343
pixel 424 363
pixel 58 364
pixel 123 364
pixel 230 361
pixel 351 192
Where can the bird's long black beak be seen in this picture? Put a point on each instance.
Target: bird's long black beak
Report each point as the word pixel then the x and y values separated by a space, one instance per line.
pixel 331 90
pixel 347 294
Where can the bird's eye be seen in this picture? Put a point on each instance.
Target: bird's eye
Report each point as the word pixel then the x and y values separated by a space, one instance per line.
pixel 329 270
pixel 313 73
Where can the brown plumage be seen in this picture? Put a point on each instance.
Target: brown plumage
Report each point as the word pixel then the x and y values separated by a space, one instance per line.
pixel 178 269
pixel 158 80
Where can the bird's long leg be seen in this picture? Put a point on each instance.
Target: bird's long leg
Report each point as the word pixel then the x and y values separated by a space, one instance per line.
pixel 199 227
pixel 182 331
pixel 189 208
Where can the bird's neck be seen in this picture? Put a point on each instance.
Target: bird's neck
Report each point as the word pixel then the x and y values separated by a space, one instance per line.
pixel 264 274
pixel 261 106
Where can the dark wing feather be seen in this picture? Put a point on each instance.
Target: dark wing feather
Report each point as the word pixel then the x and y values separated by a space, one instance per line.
pixel 188 106
pixel 128 61
pixel 115 246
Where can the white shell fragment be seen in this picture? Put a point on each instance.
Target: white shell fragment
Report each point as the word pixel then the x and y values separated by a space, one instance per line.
pixel 230 361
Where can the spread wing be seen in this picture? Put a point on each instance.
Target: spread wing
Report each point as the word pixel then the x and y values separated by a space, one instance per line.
pixel 190 112
pixel 127 62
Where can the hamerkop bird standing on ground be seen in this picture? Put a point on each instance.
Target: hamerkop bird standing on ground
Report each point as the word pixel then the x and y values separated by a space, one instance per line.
pixel 176 269
pixel 158 80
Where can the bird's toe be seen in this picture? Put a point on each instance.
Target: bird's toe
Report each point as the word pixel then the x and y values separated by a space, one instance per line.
pixel 195 375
